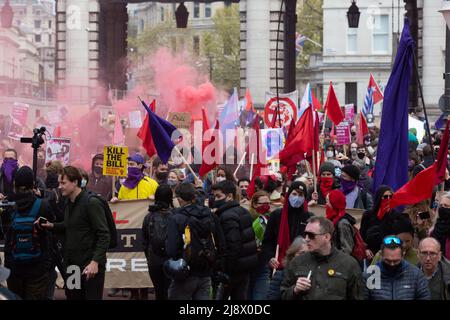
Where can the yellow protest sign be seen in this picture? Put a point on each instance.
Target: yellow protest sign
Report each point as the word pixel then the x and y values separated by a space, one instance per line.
pixel 115 161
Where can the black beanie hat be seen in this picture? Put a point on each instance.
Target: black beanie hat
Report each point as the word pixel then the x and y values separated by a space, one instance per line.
pixel 402 224
pixel 24 178
pixel 352 171
pixel 328 167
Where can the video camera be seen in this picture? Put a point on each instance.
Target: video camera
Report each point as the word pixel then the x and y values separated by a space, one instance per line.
pixel 36 141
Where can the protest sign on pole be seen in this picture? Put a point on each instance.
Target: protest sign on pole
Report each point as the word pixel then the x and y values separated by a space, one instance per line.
pixel 343 133
pixel 181 120
pixel 349 113
pixel 19 115
pixel 115 161
pixel 58 149
pixel 135 119
pixel 288 108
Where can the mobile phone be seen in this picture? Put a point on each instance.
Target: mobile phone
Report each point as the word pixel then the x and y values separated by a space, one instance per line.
pixel 42 220
pixel 424 215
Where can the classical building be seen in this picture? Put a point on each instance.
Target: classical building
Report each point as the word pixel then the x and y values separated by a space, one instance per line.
pixel 350 54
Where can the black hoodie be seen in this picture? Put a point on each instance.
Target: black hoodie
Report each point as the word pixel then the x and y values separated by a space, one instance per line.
pixel 372 229
pixel 175 230
pixel 297 218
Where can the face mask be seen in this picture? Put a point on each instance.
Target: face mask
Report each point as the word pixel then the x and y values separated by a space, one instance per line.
pixel 391 269
pixel 244 193
pixel 172 182
pixel 220 179
pixel 347 186
pixel 296 201
pixel 98 170
pixel 219 203
pixel 329 154
pixel 263 208
pixel 354 154
pixel 162 175
pixel 275 195
pixel 444 213
pixel 361 155
pixel 337 172
pixel 83 183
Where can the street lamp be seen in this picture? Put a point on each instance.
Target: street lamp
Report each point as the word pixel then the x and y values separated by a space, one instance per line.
pixel 353 15
pixel 445 103
pixel 181 16
pixel 6 15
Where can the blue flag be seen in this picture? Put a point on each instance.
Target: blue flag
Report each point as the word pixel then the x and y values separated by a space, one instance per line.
pixel 391 166
pixel 161 131
pixel 440 122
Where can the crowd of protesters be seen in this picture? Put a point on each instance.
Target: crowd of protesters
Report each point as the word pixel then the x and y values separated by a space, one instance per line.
pixel 213 238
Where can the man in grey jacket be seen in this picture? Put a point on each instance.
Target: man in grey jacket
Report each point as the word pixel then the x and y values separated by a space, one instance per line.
pixel 393 278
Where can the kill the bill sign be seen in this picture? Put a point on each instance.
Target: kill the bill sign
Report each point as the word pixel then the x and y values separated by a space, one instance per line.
pixel 115 161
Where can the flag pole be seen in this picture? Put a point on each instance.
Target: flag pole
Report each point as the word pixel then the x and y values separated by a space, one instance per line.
pixel 277 251
pixel 416 69
pixel 188 165
pixel 239 165
pixel 314 170
pixel 251 165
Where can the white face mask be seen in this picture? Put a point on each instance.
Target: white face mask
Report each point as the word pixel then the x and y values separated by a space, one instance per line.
pixel 329 154
pixel 275 195
pixel 220 179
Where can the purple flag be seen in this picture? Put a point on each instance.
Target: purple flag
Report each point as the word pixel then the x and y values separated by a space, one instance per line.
pixel 391 166
pixel 161 131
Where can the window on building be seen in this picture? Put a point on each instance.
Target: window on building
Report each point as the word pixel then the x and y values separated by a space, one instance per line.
pixel 37 38
pixel 196 45
pixel 141 26
pixel 207 10
pixel 196 9
pixel 162 13
pixel 352 40
pixel 37 24
pixel 351 93
pixel 49 24
pixel 380 34
pixel 49 38
pixel 38 12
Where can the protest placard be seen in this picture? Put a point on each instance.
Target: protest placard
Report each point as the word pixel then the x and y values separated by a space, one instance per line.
pixel 115 161
pixel 19 114
pixel 343 133
pixel 181 120
pixel 58 149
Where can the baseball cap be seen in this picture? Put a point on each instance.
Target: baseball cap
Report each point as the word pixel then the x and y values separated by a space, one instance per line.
pixel 137 158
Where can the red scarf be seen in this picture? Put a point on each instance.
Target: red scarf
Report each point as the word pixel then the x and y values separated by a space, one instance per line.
pixel 326 185
pixel 337 202
pixel 384 208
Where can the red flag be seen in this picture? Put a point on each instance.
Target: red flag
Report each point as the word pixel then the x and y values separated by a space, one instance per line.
pixel 418 189
pixel 333 110
pixel 303 141
pixel 315 102
pixel 284 238
pixel 441 163
pixel 205 167
pixel 249 101
pixel 363 129
pixel 377 95
pixel 145 135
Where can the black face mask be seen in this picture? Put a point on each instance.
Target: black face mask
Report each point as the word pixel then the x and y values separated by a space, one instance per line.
pixel 219 203
pixel 98 170
pixel 162 175
pixel 244 193
pixel 444 213
pixel 361 155
pixel 391 269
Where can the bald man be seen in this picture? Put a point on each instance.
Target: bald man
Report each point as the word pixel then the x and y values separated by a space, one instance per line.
pixel 436 269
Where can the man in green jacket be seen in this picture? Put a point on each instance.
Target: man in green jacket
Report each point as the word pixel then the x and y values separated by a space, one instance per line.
pixel 86 238
pixel 323 273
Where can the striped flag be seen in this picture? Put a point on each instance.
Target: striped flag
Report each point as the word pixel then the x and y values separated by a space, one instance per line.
pixel 373 96
pixel 299 42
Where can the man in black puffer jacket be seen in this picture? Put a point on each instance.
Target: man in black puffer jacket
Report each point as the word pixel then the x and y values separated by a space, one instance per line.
pixel 399 280
pixel 241 251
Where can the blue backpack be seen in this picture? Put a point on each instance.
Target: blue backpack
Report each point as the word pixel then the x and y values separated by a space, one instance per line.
pixel 25 246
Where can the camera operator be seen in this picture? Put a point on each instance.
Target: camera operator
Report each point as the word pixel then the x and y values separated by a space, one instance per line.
pixel 7 172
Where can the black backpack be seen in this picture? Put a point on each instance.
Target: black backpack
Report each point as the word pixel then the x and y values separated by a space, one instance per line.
pixel 199 248
pixel 109 217
pixel 157 231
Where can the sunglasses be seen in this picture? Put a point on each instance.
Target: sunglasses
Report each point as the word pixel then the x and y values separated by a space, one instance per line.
pixel 312 235
pixel 387 196
pixel 392 240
